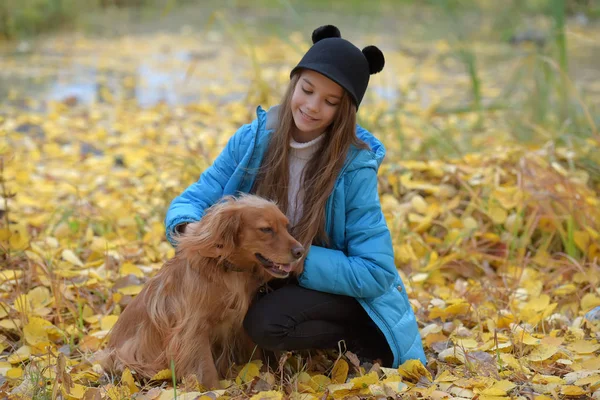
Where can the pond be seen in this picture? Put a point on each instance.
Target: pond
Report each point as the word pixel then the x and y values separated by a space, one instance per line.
pixel 204 53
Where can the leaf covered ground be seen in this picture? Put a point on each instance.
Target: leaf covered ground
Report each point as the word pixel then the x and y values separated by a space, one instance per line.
pixel 497 239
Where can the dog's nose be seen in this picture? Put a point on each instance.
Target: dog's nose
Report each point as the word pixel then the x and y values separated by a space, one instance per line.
pixel 297 252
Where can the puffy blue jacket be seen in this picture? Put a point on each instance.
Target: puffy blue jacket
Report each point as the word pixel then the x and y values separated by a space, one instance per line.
pixel 360 260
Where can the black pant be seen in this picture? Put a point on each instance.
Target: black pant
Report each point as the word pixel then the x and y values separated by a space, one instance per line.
pixel 295 318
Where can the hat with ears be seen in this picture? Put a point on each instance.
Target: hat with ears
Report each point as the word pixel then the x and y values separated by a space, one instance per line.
pixel 341 61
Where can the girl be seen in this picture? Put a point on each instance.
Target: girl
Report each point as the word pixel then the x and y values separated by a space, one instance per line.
pixel 310 157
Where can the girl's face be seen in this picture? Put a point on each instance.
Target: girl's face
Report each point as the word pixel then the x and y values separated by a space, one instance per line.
pixel 314 104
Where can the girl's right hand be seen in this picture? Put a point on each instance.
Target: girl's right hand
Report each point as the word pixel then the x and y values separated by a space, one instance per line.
pixel 180 229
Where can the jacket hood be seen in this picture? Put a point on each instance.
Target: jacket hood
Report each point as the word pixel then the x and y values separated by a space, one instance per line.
pixel 357 158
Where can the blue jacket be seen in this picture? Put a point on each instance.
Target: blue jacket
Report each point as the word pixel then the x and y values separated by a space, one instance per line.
pixel 360 260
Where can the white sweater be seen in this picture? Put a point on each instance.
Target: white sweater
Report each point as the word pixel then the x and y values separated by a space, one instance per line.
pixel 300 154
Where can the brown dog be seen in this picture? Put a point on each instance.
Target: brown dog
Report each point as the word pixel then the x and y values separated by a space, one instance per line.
pixel 191 312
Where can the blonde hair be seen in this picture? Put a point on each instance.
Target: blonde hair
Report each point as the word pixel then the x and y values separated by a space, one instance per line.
pixel 320 172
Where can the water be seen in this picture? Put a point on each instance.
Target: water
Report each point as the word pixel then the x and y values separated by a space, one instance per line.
pixel 183 60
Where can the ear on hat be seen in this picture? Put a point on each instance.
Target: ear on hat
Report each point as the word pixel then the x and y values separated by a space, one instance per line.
pixel 375 58
pixel 324 32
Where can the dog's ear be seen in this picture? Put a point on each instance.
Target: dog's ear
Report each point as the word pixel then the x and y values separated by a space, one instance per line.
pixel 216 235
pixel 227 230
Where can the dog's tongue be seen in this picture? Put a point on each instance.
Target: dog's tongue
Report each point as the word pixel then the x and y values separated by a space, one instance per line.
pixel 285 267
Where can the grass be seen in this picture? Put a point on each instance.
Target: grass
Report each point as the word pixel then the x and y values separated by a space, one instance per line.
pixel 539 107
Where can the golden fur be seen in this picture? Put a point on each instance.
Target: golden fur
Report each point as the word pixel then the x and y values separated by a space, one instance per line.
pixel 191 312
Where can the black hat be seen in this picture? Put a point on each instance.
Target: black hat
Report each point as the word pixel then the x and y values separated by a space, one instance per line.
pixel 341 61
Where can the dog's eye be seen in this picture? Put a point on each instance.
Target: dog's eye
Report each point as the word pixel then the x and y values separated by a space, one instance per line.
pixel 266 230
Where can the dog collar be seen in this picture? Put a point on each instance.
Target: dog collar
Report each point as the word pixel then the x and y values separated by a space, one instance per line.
pixel 228 266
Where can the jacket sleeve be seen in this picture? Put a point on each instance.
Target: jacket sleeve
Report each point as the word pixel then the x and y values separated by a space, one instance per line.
pixel 367 268
pixel 192 203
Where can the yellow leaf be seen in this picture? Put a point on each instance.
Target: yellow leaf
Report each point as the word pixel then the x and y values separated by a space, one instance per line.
pixel 319 382
pixel 22 354
pixel 591 363
pixel 77 391
pixel 36 331
pixel 589 380
pixel 508 197
pixel 3 310
pixel 303 377
pixel 249 372
pixel 498 215
pixel 130 269
pixel 69 255
pixel 581 239
pixel 10 275
pixel 570 390
pixel 22 304
pixel 363 382
pixel 395 387
pixel 107 322
pixel 455 355
pixel 466 343
pixel 393 378
pixel 584 346
pixel 589 301
pixel 446 376
pixel 545 379
pixel 538 303
pixel 522 336
pixel 377 391
pixel 470 224
pixel 389 372
pixel 449 312
pixel 17 236
pixel 10 324
pixel 118 393
pixel 270 395
pixel 14 373
pixel 299 396
pixel 419 204
pixel 340 371
pixel 39 297
pixel 127 379
pixel 499 388
pixel 413 370
pixel 101 245
pixel 542 353
pixel 131 290
pixel 162 375
pixel 564 290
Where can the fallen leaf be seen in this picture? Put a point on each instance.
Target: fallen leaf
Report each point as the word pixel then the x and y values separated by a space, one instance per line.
pixel 340 371
pixel 413 370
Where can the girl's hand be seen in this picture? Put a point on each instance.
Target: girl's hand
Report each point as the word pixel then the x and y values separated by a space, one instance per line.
pixel 180 229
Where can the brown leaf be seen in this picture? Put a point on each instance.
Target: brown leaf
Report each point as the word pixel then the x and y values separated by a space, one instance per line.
pixel 93 394
pixel 62 376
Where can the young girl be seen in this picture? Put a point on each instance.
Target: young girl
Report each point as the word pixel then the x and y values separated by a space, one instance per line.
pixel 309 155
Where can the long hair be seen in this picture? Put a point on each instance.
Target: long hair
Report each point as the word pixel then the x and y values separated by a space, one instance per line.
pixel 320 172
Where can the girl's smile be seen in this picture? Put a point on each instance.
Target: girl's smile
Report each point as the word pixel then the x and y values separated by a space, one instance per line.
pixel 307 117
pixel 314 105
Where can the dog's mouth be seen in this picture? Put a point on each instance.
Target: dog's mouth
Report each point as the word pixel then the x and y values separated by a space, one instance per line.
pixel 275 269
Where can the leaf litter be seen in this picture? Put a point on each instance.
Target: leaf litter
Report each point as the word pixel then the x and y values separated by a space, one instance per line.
pixel 498 248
